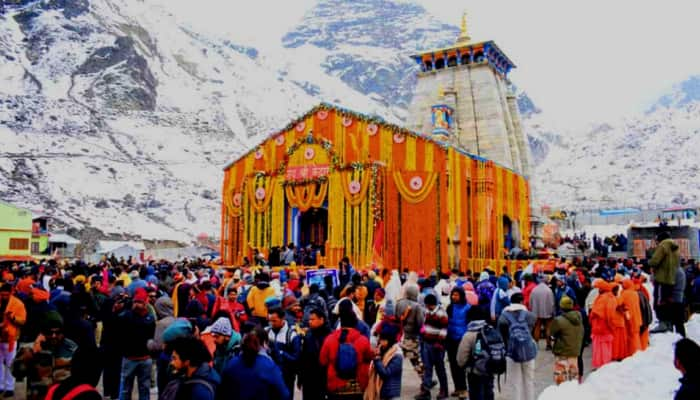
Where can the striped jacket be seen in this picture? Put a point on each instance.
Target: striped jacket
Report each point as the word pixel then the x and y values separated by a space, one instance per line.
pixel 435 325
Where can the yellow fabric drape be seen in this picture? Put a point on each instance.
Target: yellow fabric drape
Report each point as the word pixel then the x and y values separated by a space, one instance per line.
pixel 410 158
pixel 411 196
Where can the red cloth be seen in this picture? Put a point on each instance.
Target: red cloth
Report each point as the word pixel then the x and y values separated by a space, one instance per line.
pixel 526 293
pixel 329 352
pixel 619 345
pixel 602 350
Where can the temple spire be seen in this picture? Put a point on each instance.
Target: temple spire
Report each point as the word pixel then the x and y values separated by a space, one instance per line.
pixel 463 37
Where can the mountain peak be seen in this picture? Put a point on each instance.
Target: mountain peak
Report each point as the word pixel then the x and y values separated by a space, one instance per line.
pixel 682 94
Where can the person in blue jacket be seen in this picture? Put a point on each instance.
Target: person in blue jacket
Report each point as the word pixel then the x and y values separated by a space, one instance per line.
pixel 190 360
pixel 561 290
pixel 253 375
pixel 456 328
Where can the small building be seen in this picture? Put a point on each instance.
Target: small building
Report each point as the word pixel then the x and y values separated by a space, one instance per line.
pixel 118 249
pixel 15 233
pixel 62 244
pixel 642 239
pixel 40 236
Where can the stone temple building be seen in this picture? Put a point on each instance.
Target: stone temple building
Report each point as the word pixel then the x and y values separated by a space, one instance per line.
pixel 467 83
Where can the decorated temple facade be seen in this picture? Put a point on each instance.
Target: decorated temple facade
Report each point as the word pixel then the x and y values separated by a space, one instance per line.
pixel 378 193
pixel 473 77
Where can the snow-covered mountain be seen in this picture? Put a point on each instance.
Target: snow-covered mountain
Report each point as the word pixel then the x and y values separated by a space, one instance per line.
pixel 648 161
pixel 118 115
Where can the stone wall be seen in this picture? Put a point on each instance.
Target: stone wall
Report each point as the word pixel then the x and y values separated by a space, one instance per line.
pixel 487 122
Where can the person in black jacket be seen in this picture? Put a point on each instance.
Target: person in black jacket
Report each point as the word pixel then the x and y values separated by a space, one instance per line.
pixel 85 374
pixel 687 360
pixel 138 326
pixel 311 374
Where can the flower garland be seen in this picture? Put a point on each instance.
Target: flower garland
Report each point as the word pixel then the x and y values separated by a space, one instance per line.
pixel 417 194
pixel 260 193
pixel 306 197
pixel 350 184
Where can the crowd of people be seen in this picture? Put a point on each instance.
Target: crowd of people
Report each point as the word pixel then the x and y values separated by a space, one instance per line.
pixel 195 331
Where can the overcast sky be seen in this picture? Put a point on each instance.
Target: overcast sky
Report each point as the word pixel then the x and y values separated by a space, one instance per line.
pixel 581 61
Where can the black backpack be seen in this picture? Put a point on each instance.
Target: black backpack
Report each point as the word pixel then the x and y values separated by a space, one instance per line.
pixel 489 354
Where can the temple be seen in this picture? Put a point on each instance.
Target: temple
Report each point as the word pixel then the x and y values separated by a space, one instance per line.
pixel 448 191
pixel 473 77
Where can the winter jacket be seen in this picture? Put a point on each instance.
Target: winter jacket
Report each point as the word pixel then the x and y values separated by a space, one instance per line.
pixel 500 299
pixel 567 330
pixel 410 313
pixel 329 352
pixel 15 316
pixel 285 348
pixel 193 388
pixel 139 330
pixel 261 381
pixel 665 260
pixel 435 326
pixel 457 316
pixel 515 310
pixel 690 387
pixel 164 310
pixel 224 354
pixel 542 301
pixel 466 345
pixel 256 299
pixel 390 375
pixel 311 373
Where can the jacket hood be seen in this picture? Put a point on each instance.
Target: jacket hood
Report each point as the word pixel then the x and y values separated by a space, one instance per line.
pixel 411 292
pixel 574 317
pixel 484 276
pixel 670 244
pixel 207 373
pixel 462 295
pixel 164 307
pixel 476 326
pixel 515 307
pixel 503 283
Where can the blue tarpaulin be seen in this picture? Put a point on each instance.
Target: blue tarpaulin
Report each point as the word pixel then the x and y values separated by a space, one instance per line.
pixel 619 211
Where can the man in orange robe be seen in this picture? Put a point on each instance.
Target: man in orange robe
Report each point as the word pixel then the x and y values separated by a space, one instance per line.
pixel 617 321
pixel 603 308
pixel 629 299
pixel 639 286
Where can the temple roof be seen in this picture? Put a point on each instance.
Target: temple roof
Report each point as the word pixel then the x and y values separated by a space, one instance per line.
pixel 371 118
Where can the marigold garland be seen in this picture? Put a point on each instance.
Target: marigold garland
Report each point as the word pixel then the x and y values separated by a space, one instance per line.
pixel 306 197
pixel 354 200
pixel 264 182
pixel 411 196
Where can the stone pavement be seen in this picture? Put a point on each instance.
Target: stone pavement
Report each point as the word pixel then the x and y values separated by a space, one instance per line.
pixel 411 383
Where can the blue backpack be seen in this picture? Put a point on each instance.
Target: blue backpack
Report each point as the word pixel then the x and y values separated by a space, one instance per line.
pixel 346 361
pixel 521 345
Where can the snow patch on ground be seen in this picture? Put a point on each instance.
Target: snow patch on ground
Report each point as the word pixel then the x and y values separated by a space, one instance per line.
pixel 647 375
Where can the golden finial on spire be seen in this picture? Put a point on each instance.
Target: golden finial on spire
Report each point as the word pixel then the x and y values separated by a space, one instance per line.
pixel 463 37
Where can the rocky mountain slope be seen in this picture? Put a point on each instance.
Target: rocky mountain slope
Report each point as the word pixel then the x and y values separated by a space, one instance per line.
pixel 117 115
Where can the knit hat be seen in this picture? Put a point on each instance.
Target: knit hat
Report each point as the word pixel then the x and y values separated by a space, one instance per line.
pixel 273 302
pixel 141 295
pixel 178 329
pixel 566 303
pixel 222 327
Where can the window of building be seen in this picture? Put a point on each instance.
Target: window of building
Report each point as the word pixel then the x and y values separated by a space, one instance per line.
pixel 35 247
pixel 19 244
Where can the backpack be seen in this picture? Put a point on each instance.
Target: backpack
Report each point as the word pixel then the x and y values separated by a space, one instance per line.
pixel 489 352
pixel 521 346
pixel 647 315
pixel 346 360
pixel 171 389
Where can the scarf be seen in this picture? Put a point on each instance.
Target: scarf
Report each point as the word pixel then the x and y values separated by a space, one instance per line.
pixel 374 386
